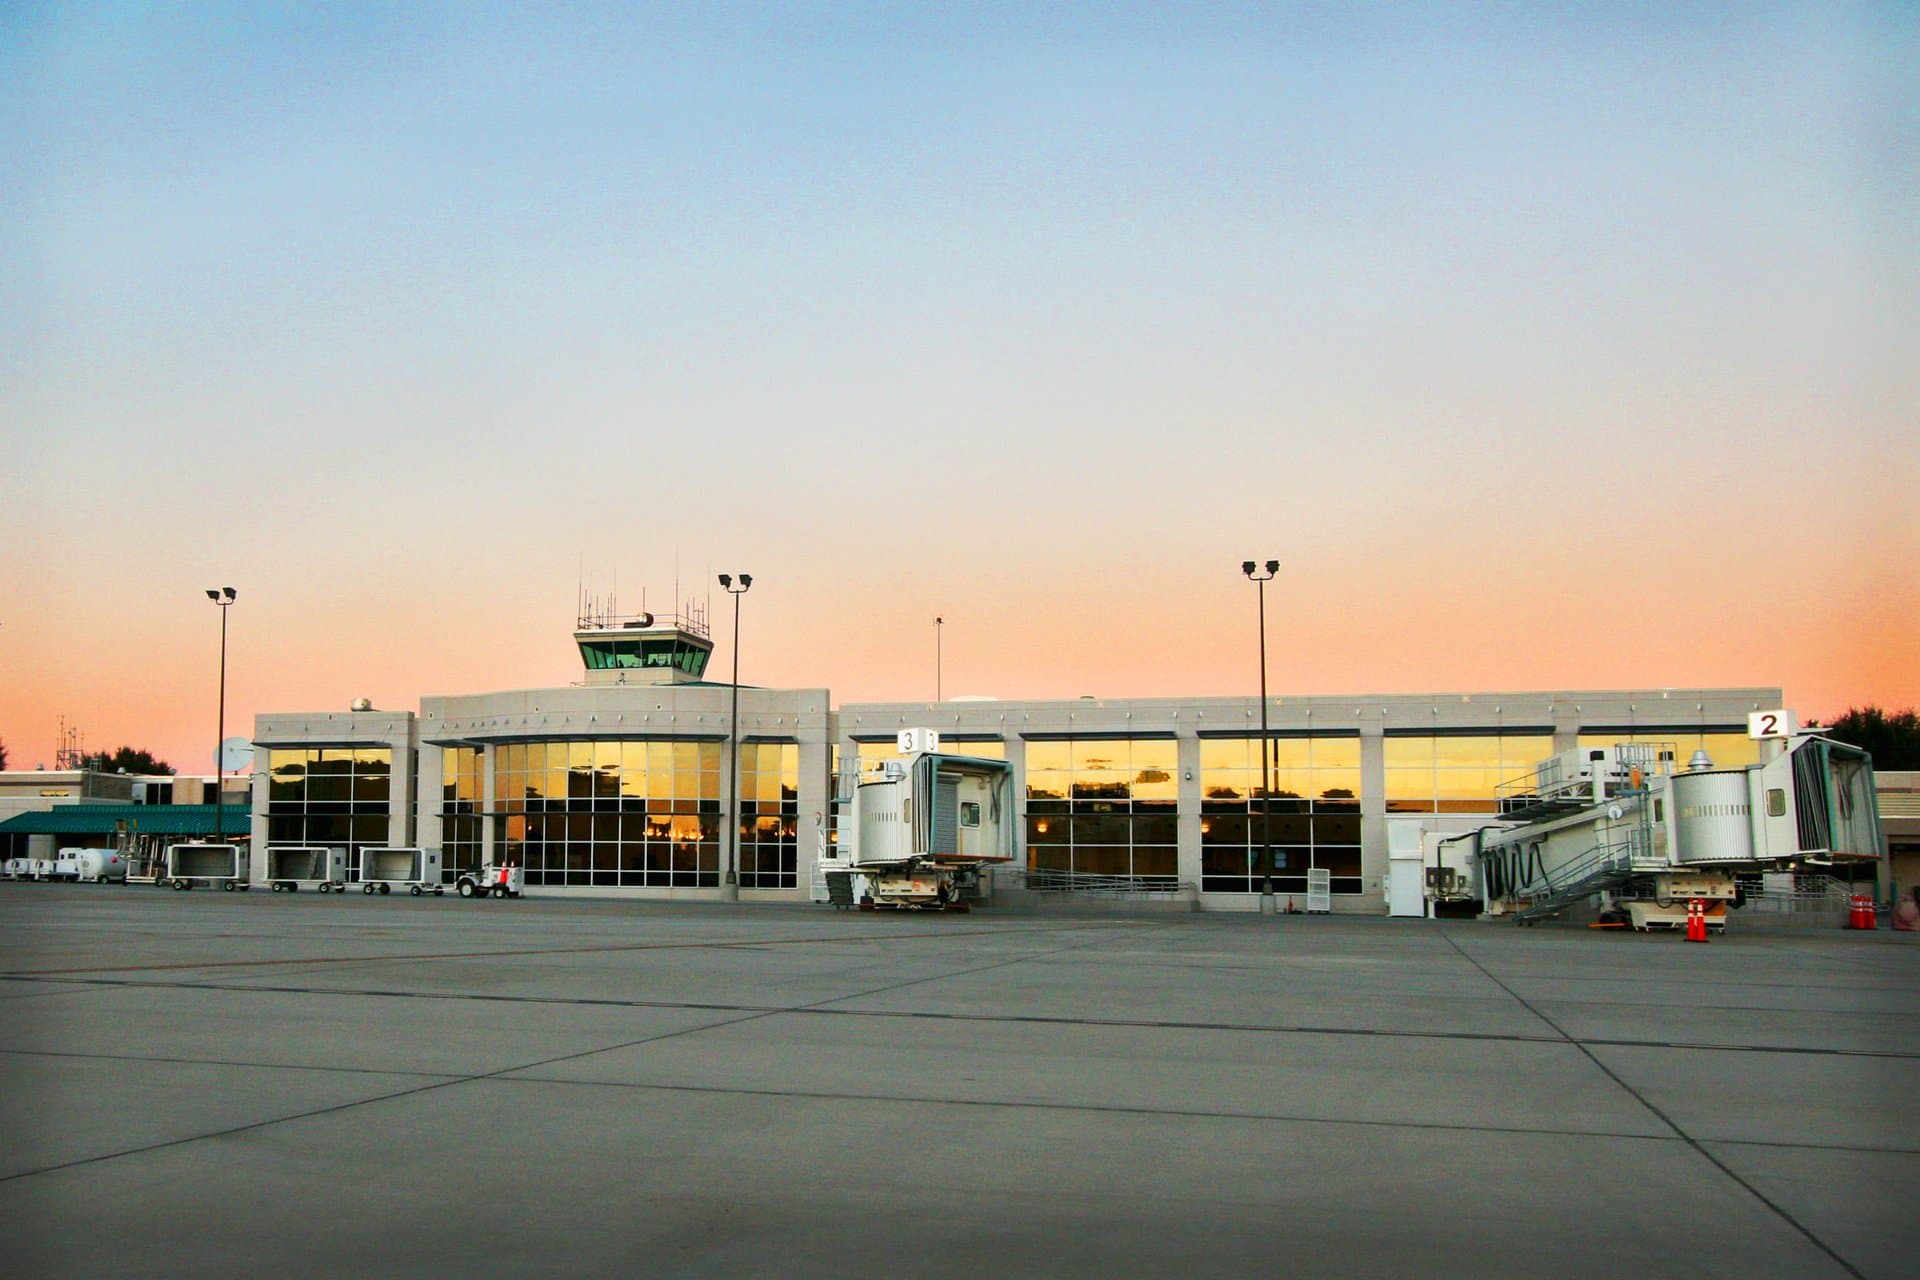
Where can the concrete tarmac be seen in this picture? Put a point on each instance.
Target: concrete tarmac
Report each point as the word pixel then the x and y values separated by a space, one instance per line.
pixel 229 1084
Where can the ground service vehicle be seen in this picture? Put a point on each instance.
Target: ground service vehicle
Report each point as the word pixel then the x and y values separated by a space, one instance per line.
pixel 920 831
pixel 29 868
pixel 491 880
pixel 208 864
pixel 91 866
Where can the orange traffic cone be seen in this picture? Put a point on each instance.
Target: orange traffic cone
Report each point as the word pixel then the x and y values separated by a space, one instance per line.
pixel 1696 920
pixel 1861 913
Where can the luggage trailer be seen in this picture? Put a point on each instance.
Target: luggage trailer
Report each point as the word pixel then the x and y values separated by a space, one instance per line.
pixel 416 870
pixel 205 864
pixel 293 867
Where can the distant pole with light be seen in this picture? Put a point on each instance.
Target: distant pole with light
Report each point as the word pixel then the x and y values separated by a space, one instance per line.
pixel 729 885
pixel 938 622
pixel 224 597
pixel 1261 579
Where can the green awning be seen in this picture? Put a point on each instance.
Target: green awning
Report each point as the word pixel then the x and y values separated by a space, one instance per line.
pixel 146 819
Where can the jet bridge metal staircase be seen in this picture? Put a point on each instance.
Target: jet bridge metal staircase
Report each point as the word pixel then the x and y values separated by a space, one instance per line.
pixel 1608 865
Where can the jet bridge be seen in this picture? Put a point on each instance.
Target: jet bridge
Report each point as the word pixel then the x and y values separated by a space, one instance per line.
pixel 919 832
pixel 1622 825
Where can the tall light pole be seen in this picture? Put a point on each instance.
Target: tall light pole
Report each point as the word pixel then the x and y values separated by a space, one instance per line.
pixel 729 885
pixel 938 622
pixel 1252 570
pixel 224 597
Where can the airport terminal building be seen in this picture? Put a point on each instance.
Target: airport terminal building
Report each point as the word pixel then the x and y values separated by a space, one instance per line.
pixel 620 784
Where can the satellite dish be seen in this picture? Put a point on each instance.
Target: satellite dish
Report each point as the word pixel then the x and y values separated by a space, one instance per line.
pixel 235 753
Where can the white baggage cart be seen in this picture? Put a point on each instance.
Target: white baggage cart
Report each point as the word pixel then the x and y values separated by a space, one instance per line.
pixel 413 869
pixel 209 864
pixel 293 867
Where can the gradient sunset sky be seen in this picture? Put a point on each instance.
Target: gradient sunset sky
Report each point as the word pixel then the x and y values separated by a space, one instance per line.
pixel 1546 347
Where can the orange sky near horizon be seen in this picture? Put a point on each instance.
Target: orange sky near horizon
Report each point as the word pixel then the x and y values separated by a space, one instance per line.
pixel 147 675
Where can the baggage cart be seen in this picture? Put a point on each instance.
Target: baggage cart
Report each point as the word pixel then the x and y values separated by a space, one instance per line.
pixel 413 869
pixel 208 864
pixel 293 867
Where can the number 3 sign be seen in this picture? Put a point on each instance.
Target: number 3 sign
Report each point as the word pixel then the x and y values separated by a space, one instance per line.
pixel 1772 724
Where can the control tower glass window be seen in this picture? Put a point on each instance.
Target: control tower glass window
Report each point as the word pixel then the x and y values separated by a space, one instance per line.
pixel 641 652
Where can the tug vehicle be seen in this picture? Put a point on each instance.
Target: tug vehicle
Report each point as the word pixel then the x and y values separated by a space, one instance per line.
pixel 503 880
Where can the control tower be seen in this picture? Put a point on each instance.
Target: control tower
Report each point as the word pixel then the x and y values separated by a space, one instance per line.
pixel 643 648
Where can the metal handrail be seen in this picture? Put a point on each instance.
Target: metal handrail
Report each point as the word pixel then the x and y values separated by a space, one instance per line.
pixel 1534 789
pixel 1609 857
pixel 1047 880
pixel 1810 894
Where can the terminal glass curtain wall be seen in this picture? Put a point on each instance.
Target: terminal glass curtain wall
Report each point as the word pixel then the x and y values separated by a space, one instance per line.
pixel 334 796
pixel 769 814
pixel 1099 807
pixel 1461 773
pixel 1315 813
pixel 1440 773
pixel 1728 748
pixel 873 754
pixel 610 813
pixel 462 794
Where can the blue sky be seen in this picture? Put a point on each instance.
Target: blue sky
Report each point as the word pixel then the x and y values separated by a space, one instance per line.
pixel 403 314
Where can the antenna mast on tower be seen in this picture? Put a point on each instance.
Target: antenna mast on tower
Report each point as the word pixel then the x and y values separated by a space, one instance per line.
pixel 72 751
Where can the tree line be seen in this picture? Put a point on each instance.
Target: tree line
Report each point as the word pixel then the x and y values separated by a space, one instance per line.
pixel 122 760
pixel 1892 738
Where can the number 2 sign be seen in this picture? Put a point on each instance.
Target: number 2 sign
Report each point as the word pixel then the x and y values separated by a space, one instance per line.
pixel 1772 724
